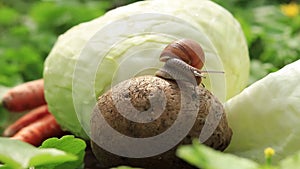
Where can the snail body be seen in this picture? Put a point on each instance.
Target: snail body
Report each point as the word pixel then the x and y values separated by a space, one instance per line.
pixel 177 69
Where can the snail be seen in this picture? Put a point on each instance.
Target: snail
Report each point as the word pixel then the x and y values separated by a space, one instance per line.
pixel 183 60
pixel 183 98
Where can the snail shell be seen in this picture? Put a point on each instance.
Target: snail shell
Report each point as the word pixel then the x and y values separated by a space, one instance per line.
pixel 183 58
pixel 185 49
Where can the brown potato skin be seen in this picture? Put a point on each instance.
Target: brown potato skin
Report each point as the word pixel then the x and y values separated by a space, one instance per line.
pixel 139 91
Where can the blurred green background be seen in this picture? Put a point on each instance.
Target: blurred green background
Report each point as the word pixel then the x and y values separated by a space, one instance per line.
pixel 272 29
pixel 29 28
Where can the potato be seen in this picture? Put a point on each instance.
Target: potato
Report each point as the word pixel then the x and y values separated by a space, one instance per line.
pixel 148 95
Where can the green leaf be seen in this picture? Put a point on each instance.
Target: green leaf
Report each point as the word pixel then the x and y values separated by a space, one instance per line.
pixel 267 114
pixel 291 162
pixel 8 16
pixel 207 158
pixel 4 167
pixel 69 144
pixel 17 154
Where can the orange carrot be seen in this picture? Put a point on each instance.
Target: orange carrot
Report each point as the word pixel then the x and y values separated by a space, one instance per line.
pixel 25 96
pixel 39 131
pixel 25 120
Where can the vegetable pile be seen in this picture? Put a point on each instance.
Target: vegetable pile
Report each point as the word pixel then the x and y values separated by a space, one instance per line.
pixel 265 114
pixel 38 124
pixel 80 49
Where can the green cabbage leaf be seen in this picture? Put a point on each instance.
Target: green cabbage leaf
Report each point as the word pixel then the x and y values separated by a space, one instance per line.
pixel 267 114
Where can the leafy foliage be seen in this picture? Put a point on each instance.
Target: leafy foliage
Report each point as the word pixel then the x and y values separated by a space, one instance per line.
pixel 272 29
pixel 28 34
pixel 26 155
pixel 205 157
pixel 68 144
pixel 29 30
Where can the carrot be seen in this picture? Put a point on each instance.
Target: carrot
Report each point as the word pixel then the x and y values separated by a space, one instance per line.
pixel 39 131
pixel 25 120
pixel 25 96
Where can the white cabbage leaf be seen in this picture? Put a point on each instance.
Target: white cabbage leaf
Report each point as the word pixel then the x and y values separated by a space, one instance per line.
pixel 267 114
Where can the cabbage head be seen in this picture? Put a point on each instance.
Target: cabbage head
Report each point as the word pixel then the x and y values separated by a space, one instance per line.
pixel 134 35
